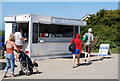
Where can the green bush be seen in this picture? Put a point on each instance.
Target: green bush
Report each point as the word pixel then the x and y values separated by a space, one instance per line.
pixel 106 28
pixel 2 57
pixel 2 33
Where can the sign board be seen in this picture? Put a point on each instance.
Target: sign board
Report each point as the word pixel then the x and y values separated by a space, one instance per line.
pixel 35 33
pixel 41 19
pixel 9 19
pixel 23 18
pixel 14 27
pixel 104 50
pixel 64 21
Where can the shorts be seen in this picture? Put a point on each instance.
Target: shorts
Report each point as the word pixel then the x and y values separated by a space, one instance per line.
pixel 88 48
pixel 76 51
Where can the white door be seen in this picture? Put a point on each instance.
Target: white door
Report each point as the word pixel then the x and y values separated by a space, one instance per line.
pixel 8 31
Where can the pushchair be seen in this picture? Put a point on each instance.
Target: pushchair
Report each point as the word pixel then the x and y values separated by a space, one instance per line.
pixel 26 64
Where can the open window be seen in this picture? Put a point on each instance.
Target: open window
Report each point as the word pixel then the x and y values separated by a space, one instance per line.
pixel 52 30
pixel 25 30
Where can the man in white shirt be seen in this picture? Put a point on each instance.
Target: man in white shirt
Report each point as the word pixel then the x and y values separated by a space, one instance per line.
pixel 88 43
pixel 19 41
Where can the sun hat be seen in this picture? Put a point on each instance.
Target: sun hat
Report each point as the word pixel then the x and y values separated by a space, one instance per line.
pixel 90 29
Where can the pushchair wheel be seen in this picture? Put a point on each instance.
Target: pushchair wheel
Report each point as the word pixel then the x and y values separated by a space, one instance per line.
pixel 31 72
pixel 36 64
pixel 21 73
pixel 27 74
pixel 37 72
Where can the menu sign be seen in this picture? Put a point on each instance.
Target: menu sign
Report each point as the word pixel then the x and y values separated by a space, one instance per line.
pixel 14 27
pixel 66 21
pixel 35 33
pixel 104 50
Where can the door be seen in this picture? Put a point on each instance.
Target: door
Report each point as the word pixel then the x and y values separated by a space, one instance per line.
pixel 8 31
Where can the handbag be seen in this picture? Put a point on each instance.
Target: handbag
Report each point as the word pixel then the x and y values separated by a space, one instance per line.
pixel 72 47
pixel 3 49
pixel 85 38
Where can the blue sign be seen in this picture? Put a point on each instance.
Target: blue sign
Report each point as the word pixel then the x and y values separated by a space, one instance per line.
pixel 104 48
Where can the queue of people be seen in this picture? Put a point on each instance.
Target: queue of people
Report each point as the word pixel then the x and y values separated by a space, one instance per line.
pixel 78 47
pixel 15 42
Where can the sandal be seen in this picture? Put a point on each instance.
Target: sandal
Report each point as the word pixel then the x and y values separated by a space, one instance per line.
pixel 73 66
pixel 85 60
pixel 78 64
pixel 17 60
pixel 12 75
pixel 89 61
pixel 4 76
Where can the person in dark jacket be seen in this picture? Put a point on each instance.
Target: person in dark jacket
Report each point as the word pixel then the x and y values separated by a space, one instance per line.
pixel 78 49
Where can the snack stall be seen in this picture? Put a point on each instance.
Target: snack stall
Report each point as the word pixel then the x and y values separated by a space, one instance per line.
pixel 47 35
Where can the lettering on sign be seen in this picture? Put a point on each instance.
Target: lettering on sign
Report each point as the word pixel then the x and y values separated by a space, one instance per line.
pixel 104 50
pixel 35 33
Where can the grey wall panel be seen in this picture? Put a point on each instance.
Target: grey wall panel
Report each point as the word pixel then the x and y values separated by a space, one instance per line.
pixel 45 49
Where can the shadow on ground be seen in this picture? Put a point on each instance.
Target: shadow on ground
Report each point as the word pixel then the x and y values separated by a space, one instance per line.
pixel 18 75
pixel 85 64
pixel 89 63
pixel 100 59
pixel 82 55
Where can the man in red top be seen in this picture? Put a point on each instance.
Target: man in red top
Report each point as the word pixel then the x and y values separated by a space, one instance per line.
pixel 78 49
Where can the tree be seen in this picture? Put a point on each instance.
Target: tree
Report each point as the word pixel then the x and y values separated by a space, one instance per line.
pixel 106 27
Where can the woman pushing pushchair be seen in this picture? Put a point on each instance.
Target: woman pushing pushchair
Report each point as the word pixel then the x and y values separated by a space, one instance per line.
pixel 10 47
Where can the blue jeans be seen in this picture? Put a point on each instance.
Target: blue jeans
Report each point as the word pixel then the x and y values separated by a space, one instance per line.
pixel 10 62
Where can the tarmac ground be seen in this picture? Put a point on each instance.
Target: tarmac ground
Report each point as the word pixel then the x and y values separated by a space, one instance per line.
pixel 61 68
